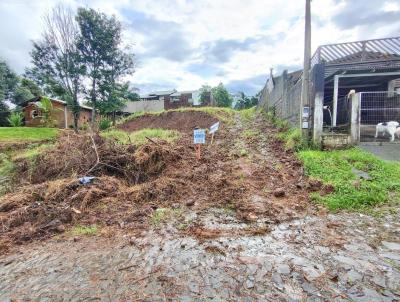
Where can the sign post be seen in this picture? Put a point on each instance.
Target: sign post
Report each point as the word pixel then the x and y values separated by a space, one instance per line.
pixel 199 138
pixel 214 128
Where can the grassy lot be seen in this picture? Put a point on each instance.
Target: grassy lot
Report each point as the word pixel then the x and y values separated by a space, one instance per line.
pixel 351 192
pixel 139 137
pixel 15 134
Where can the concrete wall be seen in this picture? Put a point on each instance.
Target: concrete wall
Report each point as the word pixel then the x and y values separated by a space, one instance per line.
pixel 284 97
pixel 146 106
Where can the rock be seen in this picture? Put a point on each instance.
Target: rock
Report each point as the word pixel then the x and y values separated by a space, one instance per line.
pixel 391 256
pixel 314 185
pixel 352 276
pixel 277 280
pixel 283 269
pixel 309 288
pixel 249 283
pixel 190 203
pixel 60 228
pixel 379 280
pixel 280 192
pixel 361 174
pixel 391 245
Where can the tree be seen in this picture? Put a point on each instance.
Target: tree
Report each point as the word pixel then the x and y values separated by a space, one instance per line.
pixel 205 94
pixel 8 81
pixel 115 98
pixel 100 46
pixel 246 102
pixel 25 91
pixel 221 96
pixel 56 59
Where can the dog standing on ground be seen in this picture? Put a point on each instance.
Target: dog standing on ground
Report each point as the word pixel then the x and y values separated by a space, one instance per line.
pixel 397 132
pixel 387 127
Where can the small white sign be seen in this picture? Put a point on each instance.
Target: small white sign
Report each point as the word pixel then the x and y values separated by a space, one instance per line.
pixel 306 112
pixel 199 136
pixel 305 125
pixel 214 128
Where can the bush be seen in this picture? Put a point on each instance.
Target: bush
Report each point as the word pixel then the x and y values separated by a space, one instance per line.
pixel 105 123
pixel 15 119
pixel 293 139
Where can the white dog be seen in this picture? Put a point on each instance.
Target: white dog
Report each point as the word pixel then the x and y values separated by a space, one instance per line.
pixel 397 132
pixel 387 127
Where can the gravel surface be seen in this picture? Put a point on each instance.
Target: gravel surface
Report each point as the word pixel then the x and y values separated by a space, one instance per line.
pixel 341 257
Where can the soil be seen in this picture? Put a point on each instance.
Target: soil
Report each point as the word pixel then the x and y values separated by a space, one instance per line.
pixel 172 120
pixel 131 183
pixel 236 225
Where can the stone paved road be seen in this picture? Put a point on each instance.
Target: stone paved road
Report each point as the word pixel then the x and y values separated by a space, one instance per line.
pixel 346 257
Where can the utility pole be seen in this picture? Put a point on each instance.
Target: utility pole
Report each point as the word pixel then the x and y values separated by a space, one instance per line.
pixel 305 89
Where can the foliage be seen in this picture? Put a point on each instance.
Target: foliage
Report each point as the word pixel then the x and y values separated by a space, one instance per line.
pixel 205 93
pixel 140 137
pixel 46 107
pixel 25 91
pixel 335 168
pixel 14 134
pixel 221 96
pixel 99 44
pixel 15 119
pixel 246 102
pixel 105 123
pixel 57 63
pixel 8 81
pixel 32 151
pixel 293 139
pixel 79 230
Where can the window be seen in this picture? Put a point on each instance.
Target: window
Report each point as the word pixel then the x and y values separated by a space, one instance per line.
pixel 36 113
pixel 175 99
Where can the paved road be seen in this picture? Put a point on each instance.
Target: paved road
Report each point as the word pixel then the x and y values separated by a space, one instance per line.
pixel 386 151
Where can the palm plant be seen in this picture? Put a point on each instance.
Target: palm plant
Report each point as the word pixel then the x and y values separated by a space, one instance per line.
pixel 15 119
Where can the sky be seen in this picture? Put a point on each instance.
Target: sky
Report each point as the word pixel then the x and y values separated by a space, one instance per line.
pixel 184 44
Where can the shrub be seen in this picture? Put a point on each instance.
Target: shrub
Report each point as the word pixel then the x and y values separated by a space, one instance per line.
pixel 105 123
pixel 15 119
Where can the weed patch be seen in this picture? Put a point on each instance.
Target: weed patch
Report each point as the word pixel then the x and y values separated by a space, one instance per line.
pixel 84 230
pixel 351 192
pixel 139 137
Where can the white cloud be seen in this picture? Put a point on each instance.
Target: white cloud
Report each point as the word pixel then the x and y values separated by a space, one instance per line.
pixel 183 44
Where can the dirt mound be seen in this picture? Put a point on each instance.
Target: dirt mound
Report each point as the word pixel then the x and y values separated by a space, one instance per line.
pixel 172 120
pixel 81 155
pixel 37 211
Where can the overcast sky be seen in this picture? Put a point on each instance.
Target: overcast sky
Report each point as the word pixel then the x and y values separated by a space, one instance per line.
pixel 183 44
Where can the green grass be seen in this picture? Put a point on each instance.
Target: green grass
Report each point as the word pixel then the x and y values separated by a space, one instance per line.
pixel 248 114
pixel 79 230
pixel 15 134
pixel 335 168
pixel 31 152
pixel 6 165
pixel 139 137
pixel 251 133
pixel 293 139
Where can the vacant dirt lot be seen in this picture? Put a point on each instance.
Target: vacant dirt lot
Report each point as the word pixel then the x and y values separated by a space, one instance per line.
pixel 235 226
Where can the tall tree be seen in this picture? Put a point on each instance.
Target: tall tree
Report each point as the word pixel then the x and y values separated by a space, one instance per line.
pixel 100 46
pixel 8 81
pixel 57 63
pixel 221 96
pixel 26 90
pixel 205 94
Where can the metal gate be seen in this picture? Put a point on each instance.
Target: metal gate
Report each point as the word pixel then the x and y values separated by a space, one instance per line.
pixel 375 108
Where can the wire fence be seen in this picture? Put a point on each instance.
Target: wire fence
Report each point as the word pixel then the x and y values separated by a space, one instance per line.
pixel 375 108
